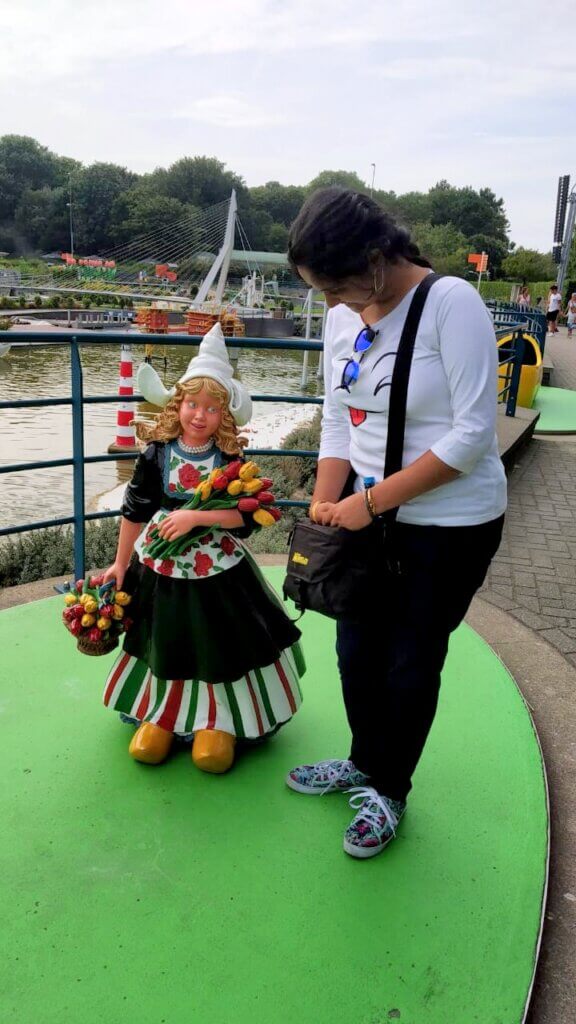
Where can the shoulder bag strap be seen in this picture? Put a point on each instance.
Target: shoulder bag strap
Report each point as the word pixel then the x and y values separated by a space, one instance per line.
pixel 399 385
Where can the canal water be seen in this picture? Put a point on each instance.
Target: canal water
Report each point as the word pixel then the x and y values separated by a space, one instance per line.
pixel 46 433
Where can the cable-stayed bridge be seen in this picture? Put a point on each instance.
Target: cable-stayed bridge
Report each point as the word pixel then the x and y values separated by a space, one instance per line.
pixel 186 261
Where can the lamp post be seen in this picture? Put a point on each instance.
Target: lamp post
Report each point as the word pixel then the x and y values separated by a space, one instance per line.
pixel 69 205
pixel 373 166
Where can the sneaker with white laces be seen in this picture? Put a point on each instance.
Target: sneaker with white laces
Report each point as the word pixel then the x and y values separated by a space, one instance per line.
pixel 374 826
pixel 325 777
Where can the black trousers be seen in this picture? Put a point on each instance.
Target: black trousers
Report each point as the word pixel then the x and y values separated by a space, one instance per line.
pixel 390 661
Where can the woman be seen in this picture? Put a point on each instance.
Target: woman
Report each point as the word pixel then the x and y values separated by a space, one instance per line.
pixel 451 491
pixel 524 297
pixel 571 313
pixel 554 309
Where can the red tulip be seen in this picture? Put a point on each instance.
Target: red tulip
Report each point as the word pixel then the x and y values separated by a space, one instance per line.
pixel 220 483
pixel 276 512
pixel 95 634
pixel 68 614
pixel 76 627
pixel 78 611
pixel 232 469
pixel 266 482
pixel 79 586
pixel 266 497
pixel 248 504
pixel 106 610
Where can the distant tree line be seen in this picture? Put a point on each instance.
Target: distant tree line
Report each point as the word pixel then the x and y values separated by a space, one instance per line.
pixel 112 205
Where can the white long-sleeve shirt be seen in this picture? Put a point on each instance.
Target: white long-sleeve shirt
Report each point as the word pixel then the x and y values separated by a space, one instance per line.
pixel 451 406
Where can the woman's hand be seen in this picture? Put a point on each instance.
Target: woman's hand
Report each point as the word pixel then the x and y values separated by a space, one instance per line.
pixel 176 524
pixel 351 513
pixel 117 573
pixel 321 511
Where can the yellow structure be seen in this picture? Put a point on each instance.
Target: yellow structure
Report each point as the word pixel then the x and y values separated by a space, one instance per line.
pixel 530 374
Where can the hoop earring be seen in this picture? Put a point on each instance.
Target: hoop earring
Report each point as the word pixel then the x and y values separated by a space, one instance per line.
pixel 378 287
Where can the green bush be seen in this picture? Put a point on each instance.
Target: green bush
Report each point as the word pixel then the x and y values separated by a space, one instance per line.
pixel 27 557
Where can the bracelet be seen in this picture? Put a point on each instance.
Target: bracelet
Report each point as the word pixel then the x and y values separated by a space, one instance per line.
pixel 312 512
pixel 369 501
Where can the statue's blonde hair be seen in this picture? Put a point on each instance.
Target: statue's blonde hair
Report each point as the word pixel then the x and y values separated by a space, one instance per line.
pixel 168 426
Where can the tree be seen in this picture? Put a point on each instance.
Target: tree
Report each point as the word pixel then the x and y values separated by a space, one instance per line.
pixel 529 265
pixel 413 208
pixel 282 202
pixel 200 181
pixel 497 251
pixel 95 190
pixel 346 179
pixel 471 212
pixel 41 220
pixel 140 212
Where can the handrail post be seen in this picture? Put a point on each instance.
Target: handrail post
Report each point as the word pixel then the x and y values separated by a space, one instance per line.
pixel 78 460
pixel 516 370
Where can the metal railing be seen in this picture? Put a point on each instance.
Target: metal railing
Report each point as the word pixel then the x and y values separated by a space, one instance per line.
pixel 511 358
pixel 78 400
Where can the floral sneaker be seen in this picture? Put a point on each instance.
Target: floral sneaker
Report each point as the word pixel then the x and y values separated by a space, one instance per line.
pixel 375 823
pixel 325 777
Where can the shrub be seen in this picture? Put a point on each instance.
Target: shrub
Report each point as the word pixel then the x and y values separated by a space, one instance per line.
pixel 27 557
pixel 37 302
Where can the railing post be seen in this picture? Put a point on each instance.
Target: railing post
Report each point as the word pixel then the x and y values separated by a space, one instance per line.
pixel 304 378
pixel 78 460
pixel 516 370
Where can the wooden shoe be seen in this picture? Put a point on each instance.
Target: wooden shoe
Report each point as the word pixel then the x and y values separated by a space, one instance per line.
pixel 150 744
pixel 213 750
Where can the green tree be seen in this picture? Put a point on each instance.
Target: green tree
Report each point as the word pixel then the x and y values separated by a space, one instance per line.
pixel 497 251
pixel 347 179
pixel 471 212
pixel 199 181
pixel 282 202
pixel 41 219
pixel 529 265
pixel 95 190
pixel 140 211
pixel 24 164
pixel 413 208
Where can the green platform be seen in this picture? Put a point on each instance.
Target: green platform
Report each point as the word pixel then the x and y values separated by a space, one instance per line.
pixel 557 408
pixel 137 895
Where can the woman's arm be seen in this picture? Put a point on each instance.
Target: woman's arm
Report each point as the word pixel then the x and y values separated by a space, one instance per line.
pixel 424 474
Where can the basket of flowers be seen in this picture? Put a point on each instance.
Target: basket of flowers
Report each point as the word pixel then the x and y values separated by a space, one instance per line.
pixel 95 614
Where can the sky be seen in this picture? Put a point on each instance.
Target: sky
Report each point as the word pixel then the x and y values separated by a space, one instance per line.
pixel 478 94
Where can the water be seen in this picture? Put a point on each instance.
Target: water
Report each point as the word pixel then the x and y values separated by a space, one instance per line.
pixel 34 434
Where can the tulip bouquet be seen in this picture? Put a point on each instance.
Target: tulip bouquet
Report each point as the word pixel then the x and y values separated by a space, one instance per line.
pixel 95 614
pixel 235 486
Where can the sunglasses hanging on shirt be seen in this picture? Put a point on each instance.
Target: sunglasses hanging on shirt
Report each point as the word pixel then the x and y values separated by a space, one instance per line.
pixel 351 370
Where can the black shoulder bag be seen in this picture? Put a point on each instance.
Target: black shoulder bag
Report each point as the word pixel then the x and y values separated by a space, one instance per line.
pixel 338 572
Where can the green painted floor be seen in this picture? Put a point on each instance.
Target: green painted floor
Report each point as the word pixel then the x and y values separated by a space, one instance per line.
pixel 557 408
pixel 138 895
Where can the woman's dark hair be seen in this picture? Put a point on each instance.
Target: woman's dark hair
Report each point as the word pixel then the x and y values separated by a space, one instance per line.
pixel 338 230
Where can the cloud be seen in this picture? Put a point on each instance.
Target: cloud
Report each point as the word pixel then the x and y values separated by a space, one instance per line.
pixel 228 111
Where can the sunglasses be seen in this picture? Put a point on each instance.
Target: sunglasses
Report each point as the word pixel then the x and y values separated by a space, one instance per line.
pixel 351 370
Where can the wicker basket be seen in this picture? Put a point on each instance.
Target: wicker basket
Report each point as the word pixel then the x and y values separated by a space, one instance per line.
pixel 95 647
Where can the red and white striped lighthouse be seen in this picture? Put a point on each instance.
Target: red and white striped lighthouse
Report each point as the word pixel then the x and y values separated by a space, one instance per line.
pixel 125 437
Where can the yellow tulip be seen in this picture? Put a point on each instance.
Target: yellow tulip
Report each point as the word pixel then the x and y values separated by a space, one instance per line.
pixel 123 598
pixel 117 612
pixel 248 470
pixel 83 598
pixel 253 486
pixel 104 623
pixel 236 487
pixel 263 518
pixel 91 606
pixel 70 599
pixel 88 620
pixel 205 490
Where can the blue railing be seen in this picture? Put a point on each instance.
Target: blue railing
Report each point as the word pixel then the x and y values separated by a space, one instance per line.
pixel 78 399
pixel 510 357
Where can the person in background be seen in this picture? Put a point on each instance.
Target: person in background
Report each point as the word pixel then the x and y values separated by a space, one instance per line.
pixel 571 313
pixel 553 309
pixel 524 297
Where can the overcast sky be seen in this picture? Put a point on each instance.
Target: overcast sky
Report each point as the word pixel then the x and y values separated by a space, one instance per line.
pixel 481 94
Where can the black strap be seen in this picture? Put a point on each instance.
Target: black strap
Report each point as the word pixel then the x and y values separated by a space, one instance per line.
pixel 399 385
